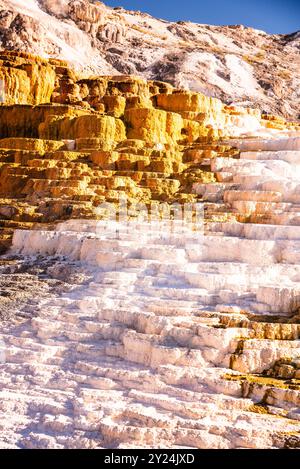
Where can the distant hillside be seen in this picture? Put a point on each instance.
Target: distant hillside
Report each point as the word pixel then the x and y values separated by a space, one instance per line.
pixel 237 64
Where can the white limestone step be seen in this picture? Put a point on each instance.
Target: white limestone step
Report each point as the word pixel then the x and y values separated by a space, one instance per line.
pixel 289 190
pixel 253 196
pixel 201 295
pixel 213 191
pixel 260 354
pixel 283 299
pixel 250 206
pixel 274 144
pixel 247 182
pixel 230 249
pixel 290 218
pixel 259 232
pixel 290 156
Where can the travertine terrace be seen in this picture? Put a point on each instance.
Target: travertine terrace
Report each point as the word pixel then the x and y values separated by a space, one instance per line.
pixel 170 334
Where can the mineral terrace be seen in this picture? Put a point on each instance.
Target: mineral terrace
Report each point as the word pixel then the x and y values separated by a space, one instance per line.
pixel 142 332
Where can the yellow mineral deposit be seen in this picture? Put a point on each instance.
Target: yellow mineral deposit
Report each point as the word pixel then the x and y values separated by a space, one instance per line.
pixel 92 132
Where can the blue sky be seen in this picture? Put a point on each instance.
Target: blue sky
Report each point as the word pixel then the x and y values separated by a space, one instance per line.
pixel 273 16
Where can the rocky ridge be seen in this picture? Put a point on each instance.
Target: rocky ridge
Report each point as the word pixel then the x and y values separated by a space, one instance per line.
pixel 239 65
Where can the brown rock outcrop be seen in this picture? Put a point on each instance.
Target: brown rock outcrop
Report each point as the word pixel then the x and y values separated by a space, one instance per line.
pixel 237 64
pixel 26 80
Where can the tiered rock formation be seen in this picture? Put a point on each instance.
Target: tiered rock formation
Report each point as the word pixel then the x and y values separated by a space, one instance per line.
pixel 172 337
pixel 67 144
pixel 179 340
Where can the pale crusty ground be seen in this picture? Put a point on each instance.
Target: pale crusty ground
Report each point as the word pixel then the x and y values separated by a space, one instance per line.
pixel 23 282
pixel 103 365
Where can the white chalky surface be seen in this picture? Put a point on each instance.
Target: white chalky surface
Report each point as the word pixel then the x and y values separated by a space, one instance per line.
pixel 135 358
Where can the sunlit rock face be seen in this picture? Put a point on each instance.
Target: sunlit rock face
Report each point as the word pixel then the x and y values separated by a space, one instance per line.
pixel 152 283
pixel 70 143
pixel 237 64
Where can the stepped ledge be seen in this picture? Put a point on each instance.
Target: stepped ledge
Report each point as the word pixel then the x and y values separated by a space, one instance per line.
pixel 150 265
